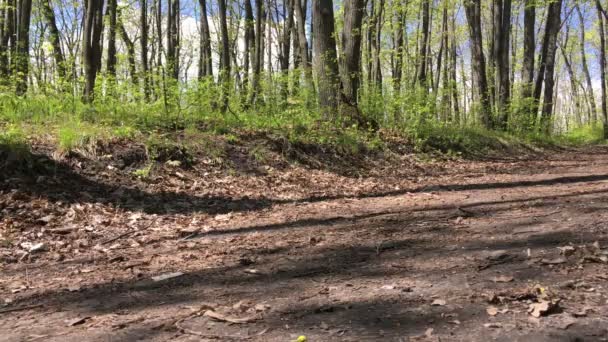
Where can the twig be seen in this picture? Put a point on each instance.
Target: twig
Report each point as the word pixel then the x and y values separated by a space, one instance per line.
pixel 21 308
pixel 119 237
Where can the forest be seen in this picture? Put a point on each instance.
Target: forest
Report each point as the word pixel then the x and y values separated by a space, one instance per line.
pixel 303 170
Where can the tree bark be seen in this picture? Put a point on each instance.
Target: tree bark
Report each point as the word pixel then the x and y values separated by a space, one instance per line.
pixel 503 83
pixel 112 21
pixel 225 69
pixel 91 45
pixel 423 54
pixel 325 62
pixel 49 16
pixel 478 63
pixel 24 12
pixel 590 97
pixel 602 30
pixel 173 38
pixel 205 63
pixel 143 23
pixel 351 49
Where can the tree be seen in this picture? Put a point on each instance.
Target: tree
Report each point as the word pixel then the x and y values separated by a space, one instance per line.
pixel 112 20
pixel 224 55
pixel 143 23
pixel 503 83
pixel 424 44
pixel 205 64
pixel 529 52
pixel 547 64
pixel 325 63
pixel 22 60
pixel 173 38
pixel 49 16
pixel 300 12
pixel 602 30
pixel 478 64
pixel 351 49
pixel 590 97
pixel 91 45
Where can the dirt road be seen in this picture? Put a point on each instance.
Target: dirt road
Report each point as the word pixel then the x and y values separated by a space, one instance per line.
pixel 512 250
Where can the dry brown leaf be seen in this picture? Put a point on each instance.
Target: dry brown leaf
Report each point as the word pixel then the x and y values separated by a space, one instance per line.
pixel 492 310
pixel 438 302
pixel 542 308
pixel 503 279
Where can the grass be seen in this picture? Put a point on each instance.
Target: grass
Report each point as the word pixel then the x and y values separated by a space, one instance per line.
pixel 190 120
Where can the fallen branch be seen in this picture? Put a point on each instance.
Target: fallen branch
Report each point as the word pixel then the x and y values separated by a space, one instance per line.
pixel 21 308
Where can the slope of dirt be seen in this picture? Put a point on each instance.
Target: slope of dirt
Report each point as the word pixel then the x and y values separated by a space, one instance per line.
pixel 507 250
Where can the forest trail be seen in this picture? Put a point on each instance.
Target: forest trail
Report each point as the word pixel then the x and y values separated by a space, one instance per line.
pixel 460 255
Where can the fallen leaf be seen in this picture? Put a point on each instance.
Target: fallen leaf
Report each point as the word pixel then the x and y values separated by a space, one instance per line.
pixel 542 308
pixel 167 276
pixel 493 325
pixel 503 279
pixel 429 332
pixel 235 320
pixel 438 302
pixel 492 310
pixel 555 261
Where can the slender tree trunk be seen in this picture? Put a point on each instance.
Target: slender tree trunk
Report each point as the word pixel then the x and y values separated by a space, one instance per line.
pixel 325 57
pixel 454 64
pixel 503 85
pixel 49 16
pixel 145 67
pixel 351 49
pixel 91 45
pixel 478 64
pixel 590 98
pixel 398 46
pixel 205 64
pixel 173 37
pixel 259 50
pixel 130 51
pixel 249 40
pixel 423 54
pixel 547 64
pixel 24 12
pixel 528 55
pixel 225 69
pixel 300 12
pixel 112 20
pixel 602 29
pixel 285 46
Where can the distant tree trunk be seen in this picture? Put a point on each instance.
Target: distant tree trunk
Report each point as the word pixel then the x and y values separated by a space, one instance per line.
pixel 24 12
pixel 224 55
pixel 503 84
pixel 424 43
pixel 130 51
pixel 590 97
pixel 547 64
pixel 571 74
pixel 143 23
pixel 478 63
pixel 602 28
pixel 398 47
pixel 529 50
pixel 300 12
pixel 49 16
pixel 205 64
pixel 285 46
pixel 91 45
pixel 351 49
pixel 325 56
pixel 173 38
pixel 377 45
pixel 259 50
pixel 249 40
pixel 3 44
pixel 111 59
pixel 453 67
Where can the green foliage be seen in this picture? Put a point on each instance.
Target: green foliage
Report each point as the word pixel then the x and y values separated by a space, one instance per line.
pixel 144 173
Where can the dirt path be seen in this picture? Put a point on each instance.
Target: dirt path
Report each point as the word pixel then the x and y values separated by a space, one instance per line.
pixel 458 256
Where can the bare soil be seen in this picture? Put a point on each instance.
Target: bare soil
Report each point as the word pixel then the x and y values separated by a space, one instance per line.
pixel 397 249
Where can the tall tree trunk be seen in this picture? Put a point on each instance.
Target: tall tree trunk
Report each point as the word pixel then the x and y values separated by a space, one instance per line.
pixel 49 16
pixel 571 74
pixel 590 98
pixel 130 51
pixel 351 49
pixel 454 64
pixel 224 55
pixel 398 46
pixel 259 50
pixel 478 63
pixel 424 50
pixel 173 15
pixel 503 84
pixel 205 64
pixel 112 21
pixel 300 12
pixel 547 64
pixel 325 56
pixel 285 46
pixel 23 45
pixel 91 45
pixel 249 49
pixel 529 52
pixel 143 23
pixel 602 29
